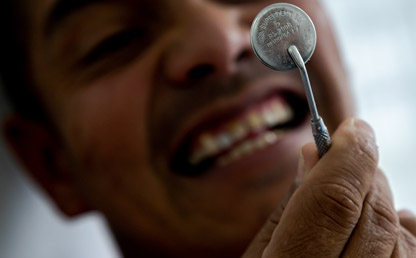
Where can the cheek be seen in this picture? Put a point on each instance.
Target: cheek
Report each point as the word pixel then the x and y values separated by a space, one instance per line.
pixel 105 128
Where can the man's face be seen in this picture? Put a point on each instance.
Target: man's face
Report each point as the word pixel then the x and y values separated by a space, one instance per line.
pixel 175 131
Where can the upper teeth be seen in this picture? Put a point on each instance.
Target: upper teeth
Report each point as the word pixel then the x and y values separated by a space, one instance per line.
pixel 273 113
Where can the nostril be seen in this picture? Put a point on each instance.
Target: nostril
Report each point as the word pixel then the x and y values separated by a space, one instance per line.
pixel 200 71
pixel 243 55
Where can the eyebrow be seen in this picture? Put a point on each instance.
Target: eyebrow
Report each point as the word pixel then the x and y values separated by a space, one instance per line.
pixel 62 10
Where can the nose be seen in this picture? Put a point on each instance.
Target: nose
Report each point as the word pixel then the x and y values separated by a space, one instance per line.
pixel 212 40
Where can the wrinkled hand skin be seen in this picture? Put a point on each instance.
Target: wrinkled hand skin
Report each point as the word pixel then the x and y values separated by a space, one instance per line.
pixel 342 208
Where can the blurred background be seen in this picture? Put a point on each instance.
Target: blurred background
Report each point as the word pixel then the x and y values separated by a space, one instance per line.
pixel 377 42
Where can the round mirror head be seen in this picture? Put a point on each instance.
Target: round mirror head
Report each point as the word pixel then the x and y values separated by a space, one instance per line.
pixel 275 29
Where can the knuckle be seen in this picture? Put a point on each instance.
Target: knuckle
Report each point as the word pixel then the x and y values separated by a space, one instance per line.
pixel 355 165
pixel 384 218
pixel 338 205
pixel 405 246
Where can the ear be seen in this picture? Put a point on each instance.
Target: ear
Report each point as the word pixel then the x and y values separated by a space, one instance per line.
pixel 46 160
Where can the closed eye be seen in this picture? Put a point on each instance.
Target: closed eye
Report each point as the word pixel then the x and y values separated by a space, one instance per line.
pixel 114 44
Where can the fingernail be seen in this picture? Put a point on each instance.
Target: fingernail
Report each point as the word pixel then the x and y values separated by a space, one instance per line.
pixel 358 123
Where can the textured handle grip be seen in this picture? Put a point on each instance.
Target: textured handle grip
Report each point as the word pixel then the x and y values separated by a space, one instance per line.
pixel 321 136
pixel 323 142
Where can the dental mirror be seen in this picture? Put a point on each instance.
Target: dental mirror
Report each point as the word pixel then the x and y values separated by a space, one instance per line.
pixel 283 37
pixel 275 29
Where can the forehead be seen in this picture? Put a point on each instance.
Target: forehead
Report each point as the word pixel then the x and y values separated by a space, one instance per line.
pixel 47 16
pixel 48 13
pixel 52 10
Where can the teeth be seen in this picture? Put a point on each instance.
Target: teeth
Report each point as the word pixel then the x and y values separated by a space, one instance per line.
pixel 260 142
pixel 269 115
pixel 238 130
pixel 208 147
pixel 255 121
pixel 271 137
pixel 224 141
pixel 209 144
pixel 282 113
pixel 249 147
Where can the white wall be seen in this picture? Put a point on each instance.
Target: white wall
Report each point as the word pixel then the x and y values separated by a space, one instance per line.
pixel 376 38
pixel 378 41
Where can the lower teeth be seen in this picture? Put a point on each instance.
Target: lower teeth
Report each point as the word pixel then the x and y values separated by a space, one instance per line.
pixel 249 146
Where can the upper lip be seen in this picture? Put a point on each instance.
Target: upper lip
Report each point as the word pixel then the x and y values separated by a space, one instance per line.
pixel 224 109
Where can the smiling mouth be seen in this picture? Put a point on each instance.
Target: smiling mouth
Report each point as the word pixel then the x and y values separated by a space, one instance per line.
pixel 221 143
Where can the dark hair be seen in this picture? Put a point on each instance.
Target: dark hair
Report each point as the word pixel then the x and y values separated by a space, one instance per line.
pixel 14 66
